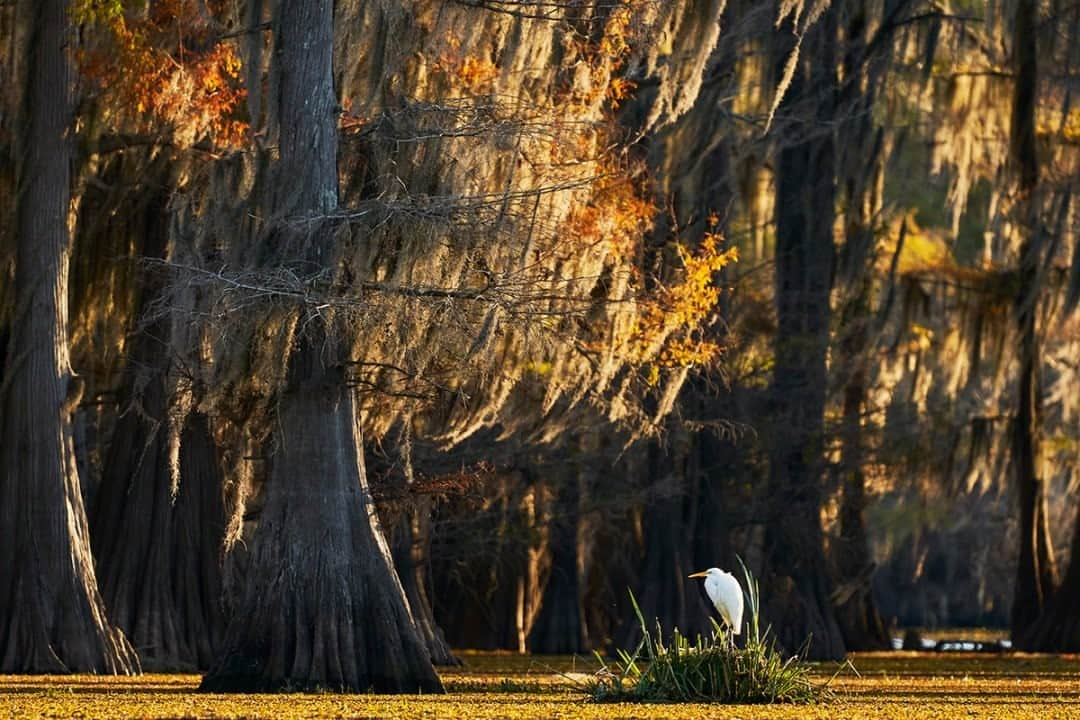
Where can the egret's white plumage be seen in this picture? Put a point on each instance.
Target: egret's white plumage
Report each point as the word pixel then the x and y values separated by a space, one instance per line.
pixel 726 594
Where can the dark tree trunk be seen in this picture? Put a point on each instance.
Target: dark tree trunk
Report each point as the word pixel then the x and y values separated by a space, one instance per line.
pixel 412 541
pixel 561 626
pixel 1036 572
pixel 663 590
pixel 52 618
pixel 488 594
pixel 856 610
pixel 1058 628
pixel 322 607
pixel 798 603
pixel 158 547
pixel 159 555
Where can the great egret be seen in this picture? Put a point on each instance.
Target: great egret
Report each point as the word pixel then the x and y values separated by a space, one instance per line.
pixel 726 594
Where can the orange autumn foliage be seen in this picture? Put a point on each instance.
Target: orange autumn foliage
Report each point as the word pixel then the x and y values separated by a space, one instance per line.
pixel 475 74
pixel 669 330
pixel 617 214
pixel 163 67
pixel 683 309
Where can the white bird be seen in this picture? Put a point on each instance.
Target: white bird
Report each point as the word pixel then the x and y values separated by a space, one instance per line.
pixel 726 594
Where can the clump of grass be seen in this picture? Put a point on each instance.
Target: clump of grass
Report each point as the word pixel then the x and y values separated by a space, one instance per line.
pixel 707 669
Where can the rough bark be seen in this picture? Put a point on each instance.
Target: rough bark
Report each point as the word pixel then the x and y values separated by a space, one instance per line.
pixel 158 546
pixel 52 618
pixel 798 603
pixel 322 607
pixel 1036 572
pixel 159 554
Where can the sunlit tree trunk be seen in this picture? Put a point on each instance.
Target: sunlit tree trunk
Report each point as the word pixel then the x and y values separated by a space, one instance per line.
pixel 798 603
pixel 322 607
pixel 1036 570
pixel 52 618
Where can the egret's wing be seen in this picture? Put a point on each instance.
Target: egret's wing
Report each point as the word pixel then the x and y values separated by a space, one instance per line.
pixel 736 617
pixel 729 601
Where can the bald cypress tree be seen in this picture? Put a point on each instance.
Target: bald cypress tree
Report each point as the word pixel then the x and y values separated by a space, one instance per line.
pixel 322 606
pixel 52 618
pixel 798 603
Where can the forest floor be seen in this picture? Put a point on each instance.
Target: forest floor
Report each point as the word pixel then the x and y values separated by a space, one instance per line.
pixel 889 685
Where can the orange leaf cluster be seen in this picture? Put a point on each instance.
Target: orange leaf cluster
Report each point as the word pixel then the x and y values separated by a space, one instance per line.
pixel 613 50
pixel 678 316
pixel 475 74
pixel 617 214
pixel 615 42
pixel 165 68
pixel 669 329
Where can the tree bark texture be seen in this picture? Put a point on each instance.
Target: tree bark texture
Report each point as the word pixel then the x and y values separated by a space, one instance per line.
pixel 52 618
pixel 798 604
pixel 160 555
pixel 322 607
pixel 158 547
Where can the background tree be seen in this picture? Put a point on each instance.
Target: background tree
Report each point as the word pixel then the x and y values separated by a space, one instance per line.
pixel 52 618
pixel 805 207
pixel 1036 573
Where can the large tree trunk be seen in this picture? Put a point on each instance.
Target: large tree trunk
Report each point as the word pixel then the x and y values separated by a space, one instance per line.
pixel 159 554
pixel 158 546
pixel 52 618
pixel 1036 571
pixel 798 603
pixel 322 607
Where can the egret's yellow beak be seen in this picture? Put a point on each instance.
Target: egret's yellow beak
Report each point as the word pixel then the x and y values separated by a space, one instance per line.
pixel 703 573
